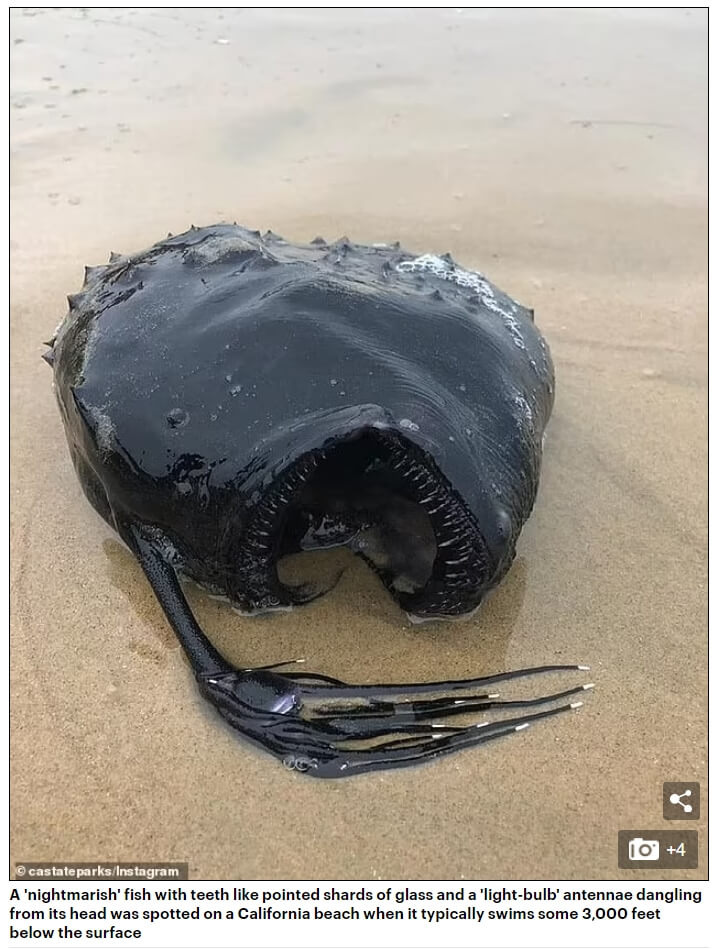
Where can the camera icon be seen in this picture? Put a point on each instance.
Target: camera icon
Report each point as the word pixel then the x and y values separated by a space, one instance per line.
pixel 641 849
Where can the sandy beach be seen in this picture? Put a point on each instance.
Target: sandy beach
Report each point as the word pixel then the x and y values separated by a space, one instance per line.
pixel 562 154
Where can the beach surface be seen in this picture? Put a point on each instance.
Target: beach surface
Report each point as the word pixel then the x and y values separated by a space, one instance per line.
pixel 562 154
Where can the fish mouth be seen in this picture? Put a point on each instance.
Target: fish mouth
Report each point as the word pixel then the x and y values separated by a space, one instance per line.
pixel 384 498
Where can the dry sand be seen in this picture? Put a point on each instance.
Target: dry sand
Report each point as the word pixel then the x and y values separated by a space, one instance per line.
pixel 561 153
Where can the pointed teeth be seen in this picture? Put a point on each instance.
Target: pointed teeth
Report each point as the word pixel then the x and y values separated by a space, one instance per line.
pixel 114 257
pixel 50 342
pixel 74 299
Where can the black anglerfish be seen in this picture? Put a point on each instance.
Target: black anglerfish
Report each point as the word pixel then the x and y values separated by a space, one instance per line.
pixel 229 397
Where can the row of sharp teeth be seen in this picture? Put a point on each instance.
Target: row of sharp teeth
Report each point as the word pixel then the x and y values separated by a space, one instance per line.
pixel 461 551
pixel 258 546
pixel 465 559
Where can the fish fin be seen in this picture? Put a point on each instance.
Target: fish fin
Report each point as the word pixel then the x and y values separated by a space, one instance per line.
pixel 203 656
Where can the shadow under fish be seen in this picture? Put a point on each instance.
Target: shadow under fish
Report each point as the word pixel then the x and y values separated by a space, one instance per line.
pixel 230 398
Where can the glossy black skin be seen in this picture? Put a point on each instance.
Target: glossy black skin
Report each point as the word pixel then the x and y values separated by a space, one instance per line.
pixel 196 377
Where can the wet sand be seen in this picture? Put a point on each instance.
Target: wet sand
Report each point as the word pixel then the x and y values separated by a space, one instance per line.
pixel 562 154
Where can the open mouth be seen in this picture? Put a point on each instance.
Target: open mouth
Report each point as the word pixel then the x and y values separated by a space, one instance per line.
pixel 385 499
